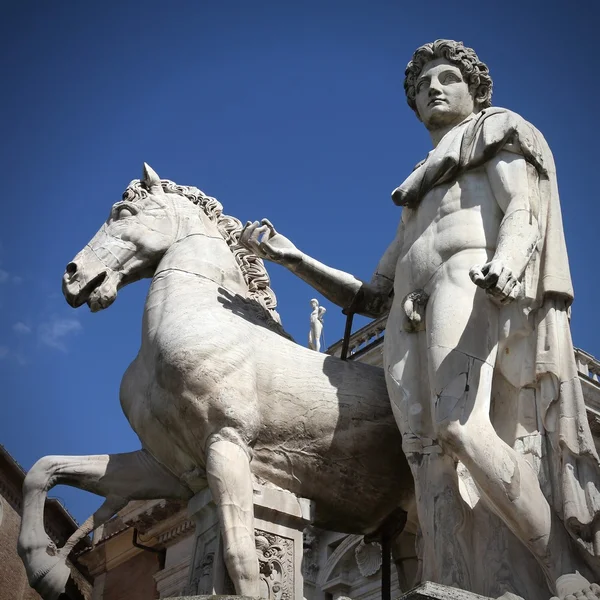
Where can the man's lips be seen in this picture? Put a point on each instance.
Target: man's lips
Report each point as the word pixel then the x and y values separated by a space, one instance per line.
pixel 435 100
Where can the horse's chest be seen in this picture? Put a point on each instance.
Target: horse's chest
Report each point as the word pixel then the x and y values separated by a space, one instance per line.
pixel 173 428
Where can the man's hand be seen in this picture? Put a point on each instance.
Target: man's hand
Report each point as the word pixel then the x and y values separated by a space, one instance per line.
pixel 497 280
pixel 262 239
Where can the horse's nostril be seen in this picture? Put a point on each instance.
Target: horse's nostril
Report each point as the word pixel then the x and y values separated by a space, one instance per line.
pixel 71 268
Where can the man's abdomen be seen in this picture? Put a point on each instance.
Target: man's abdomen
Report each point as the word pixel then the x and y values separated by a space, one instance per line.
pixel 452 218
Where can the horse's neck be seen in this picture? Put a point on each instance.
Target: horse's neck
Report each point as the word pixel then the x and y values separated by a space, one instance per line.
pixel 200 256
pixel 190 279
pixel 201 250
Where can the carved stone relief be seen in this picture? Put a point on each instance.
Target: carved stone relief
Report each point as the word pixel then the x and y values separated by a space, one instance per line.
pixel 310 558
pixel 368 558
pixel 201 580
pixel 276 563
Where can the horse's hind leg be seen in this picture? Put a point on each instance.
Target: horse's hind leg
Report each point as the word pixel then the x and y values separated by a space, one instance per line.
pixel 117 477
pixel 230 481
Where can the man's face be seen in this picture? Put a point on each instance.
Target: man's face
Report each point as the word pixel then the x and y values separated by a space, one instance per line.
pixel 443 97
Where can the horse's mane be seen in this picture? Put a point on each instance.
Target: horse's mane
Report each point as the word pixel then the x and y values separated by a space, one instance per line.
pixel 262 299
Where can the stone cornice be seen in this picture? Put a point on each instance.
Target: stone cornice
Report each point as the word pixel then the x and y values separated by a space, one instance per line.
pixel 145 516
pixel 174 531
pixel 161 523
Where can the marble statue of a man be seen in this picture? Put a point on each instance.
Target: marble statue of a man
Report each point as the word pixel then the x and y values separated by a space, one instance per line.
pixel 316 325
pixel 478 355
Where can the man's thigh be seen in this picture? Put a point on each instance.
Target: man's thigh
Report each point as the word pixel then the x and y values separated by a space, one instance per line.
pixel 405 364
pixel 462 340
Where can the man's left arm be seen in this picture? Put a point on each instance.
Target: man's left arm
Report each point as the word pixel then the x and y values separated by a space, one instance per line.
pixel 514 183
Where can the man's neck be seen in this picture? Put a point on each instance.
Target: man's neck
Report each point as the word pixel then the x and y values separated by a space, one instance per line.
pixel 438 133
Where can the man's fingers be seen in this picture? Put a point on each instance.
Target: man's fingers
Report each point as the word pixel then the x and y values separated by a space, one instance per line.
pixel 247 231
pixel 269 225
pixel 504 279
pixel 505 294
pixel 497 280
pixel 483 276
pixel 503 284
pixel 250 237
pixel 256 237
pixel 510 292
pixel 509 286
pixel 494 270
pixel 476 275
pixel 257 232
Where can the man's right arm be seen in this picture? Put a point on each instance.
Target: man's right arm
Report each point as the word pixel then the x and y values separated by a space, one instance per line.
pixel 369 299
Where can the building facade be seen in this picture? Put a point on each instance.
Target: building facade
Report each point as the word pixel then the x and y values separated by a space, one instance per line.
pixel 59 525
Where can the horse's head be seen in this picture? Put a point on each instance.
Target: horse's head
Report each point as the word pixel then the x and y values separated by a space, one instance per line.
pixel 128 246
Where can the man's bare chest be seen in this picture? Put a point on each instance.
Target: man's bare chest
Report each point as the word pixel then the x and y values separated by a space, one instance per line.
pixel 458 210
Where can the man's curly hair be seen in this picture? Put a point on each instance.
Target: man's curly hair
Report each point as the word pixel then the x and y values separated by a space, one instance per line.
pixel 474 72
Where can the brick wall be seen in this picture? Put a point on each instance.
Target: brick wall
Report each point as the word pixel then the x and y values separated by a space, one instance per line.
pixel 13 581
pixel 58 523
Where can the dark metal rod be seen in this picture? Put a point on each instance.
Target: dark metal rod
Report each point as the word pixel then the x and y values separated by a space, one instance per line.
pixel 347 334
pixel 386 566
pixel 162 552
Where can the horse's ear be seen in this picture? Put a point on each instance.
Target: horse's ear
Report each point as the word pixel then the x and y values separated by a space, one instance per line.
pixel 149 178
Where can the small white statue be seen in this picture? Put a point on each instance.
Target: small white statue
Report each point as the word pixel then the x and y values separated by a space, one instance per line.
pixel 316 325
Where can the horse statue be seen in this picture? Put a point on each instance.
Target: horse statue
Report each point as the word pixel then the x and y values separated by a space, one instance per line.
pixel 219 395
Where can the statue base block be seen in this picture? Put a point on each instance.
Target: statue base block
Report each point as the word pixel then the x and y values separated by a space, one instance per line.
pixel 214 597
pixel 279 520
pixel 437 591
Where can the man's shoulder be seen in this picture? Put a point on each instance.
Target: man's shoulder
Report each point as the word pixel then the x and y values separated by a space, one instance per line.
pixel 498 129
pixel 497 122
pixel 498 114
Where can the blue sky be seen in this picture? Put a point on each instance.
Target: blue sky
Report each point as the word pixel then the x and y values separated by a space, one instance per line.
pixel 291 111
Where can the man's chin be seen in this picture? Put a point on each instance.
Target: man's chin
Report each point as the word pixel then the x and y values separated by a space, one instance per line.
pixel 442 116
pixel 439 116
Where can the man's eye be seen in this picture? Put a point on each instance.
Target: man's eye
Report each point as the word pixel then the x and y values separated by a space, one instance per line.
pixel 124 212
pixel 421 85
pixel 451 78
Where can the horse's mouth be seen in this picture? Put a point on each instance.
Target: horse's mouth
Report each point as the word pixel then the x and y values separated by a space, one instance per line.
pixel 85 293
pixel 102 296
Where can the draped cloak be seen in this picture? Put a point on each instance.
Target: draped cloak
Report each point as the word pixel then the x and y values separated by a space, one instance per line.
pixel 534 331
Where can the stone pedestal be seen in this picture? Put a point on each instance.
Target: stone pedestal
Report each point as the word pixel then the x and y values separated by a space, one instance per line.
pixel 436 591
pixel 279 519
pixel 213 597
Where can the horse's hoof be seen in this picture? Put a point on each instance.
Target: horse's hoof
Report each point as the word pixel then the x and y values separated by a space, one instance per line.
pixel 53 583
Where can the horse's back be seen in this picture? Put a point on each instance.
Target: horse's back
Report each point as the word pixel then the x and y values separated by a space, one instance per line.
pixel 328 433
pixel 318 426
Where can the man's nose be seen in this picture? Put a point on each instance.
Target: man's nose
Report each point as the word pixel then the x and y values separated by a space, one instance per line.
pixel 435 89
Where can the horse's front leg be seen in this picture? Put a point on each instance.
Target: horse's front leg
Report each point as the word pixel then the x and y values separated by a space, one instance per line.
pixel 117 477
pixel 230 481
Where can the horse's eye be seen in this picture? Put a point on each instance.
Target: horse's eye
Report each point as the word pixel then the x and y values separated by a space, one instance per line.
pixel 124 212
pixel 121 212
